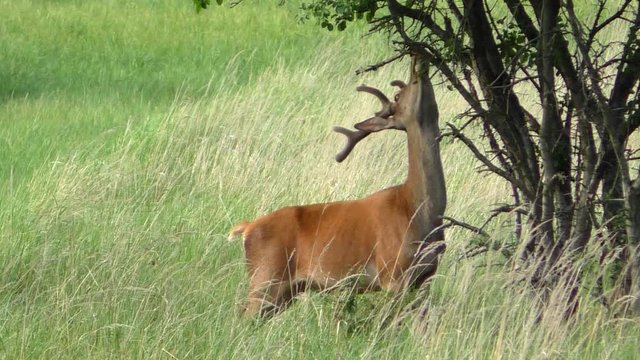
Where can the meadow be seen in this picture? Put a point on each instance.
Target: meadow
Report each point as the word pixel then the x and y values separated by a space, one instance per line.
pixel 134 134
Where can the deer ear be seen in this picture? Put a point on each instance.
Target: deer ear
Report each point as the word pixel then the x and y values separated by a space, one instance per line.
pixel 374 124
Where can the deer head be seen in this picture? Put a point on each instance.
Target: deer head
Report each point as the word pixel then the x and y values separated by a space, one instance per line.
pixel 391 116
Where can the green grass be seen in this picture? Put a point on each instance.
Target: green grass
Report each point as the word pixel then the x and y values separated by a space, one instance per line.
pixel 80 71
pixel 134 134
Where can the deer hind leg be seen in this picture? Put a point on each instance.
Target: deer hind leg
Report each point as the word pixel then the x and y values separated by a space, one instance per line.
pixel 271 288
pixel 267 298
pixel 271 269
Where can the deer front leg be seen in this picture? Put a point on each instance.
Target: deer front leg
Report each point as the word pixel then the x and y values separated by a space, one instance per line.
pixel 425 264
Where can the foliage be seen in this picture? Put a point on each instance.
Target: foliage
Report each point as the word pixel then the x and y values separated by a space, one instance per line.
pixel 338 13
pixel 203 4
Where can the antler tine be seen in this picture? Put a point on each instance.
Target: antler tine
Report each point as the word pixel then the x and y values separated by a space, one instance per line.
pixel 386 103
pixel 399 83
pixel 353 137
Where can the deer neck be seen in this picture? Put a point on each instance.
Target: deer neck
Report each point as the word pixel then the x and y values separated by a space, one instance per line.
pixel 425 184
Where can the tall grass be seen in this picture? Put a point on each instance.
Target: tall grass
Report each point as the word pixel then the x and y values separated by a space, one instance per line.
pixel 119 183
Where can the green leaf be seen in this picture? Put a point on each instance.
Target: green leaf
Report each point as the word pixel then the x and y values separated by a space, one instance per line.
pixel 201 4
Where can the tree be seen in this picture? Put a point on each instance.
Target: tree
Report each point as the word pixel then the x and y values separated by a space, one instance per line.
pixel 568 158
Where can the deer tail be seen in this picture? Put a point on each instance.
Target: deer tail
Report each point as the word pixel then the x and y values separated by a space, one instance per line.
pixel 237 230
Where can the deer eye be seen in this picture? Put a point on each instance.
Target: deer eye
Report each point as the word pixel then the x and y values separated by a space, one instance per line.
pixel 396 97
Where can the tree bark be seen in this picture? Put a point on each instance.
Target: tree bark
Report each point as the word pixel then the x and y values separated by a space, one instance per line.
pixel 554 139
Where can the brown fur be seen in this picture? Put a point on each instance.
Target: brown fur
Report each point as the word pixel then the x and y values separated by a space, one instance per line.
pixel 318 246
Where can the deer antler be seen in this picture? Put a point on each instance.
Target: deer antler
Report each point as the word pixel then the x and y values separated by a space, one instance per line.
pixel 399 83
pixel 353 137
pixel 387 105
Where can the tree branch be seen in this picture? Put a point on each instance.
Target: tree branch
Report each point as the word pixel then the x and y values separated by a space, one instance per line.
pixel 455 10
pixel 586 57
pixel 633 122
pixel 627 77
pixel 400 10
pixel 596 28
pixel 483 159
pixel 455 222
pixel 375 67
pixel 522 19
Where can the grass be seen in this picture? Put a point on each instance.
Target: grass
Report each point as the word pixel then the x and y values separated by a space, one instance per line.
pixel 136 133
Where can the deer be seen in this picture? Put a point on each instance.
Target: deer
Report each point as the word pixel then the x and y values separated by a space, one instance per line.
pixel 391 239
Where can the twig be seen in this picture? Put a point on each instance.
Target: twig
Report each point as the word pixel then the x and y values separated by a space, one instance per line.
pixel 455 222
pixel 504 209
pixel 483 159
pixel 595 28
pixel 375 67
pixel 475 252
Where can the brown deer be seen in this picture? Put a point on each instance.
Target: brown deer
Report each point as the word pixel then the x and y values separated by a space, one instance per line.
pixel 390 238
